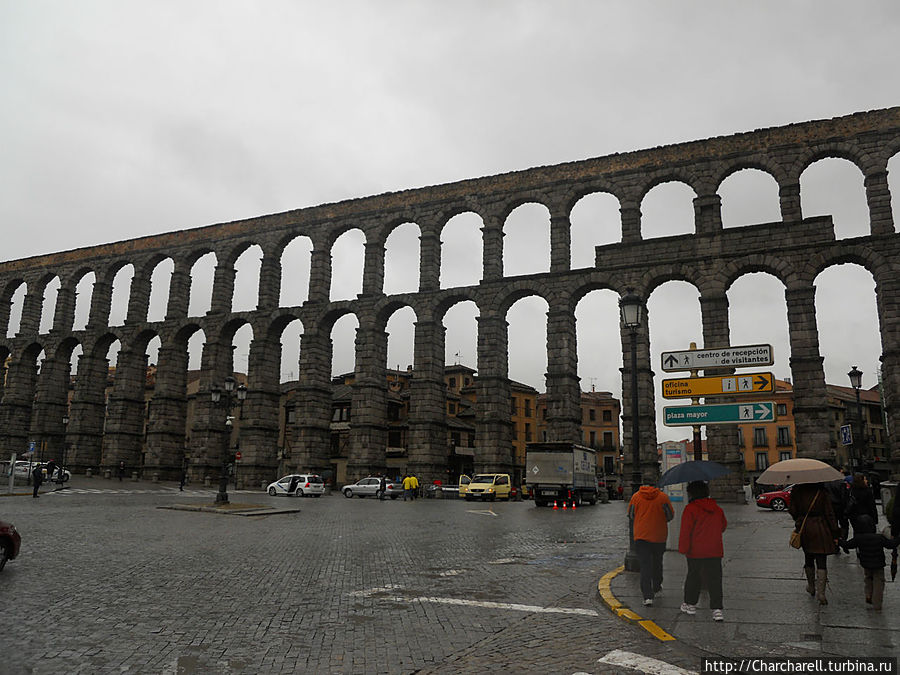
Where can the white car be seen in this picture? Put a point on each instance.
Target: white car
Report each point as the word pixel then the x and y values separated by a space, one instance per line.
pixel 23 469
pixel 298 485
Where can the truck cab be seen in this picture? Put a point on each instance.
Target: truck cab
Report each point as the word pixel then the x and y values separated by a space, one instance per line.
pixel 489 486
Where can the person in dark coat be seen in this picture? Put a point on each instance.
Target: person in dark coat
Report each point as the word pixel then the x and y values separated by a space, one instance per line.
pixel 382 488
pixel 37 477
pixel 51 469
pixel 839 492
pixel 861 501
pixel 870 546
pixel 814 519
pixel 121 471
pixel 700 541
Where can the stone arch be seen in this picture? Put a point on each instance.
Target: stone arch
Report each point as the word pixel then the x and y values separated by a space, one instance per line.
pixel 51 285
pixel 202 265
pixel 347 272
pixel 401 268
pixel 584 217
pixel 297 248
pixel 247 266
pixel 665 187
pixel 12 305
pixel 121 279
pixel 520 257
pixel 744 193
pixel 83 282
pixel 829 182
pixel 457 247
pixel 160 280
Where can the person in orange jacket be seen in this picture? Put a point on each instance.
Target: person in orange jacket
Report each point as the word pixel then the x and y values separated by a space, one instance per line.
pixel 700 541
pixel 650 512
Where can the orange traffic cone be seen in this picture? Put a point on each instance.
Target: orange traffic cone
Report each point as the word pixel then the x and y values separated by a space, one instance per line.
pixel 573 506
pixel 555 507
pixel 564 506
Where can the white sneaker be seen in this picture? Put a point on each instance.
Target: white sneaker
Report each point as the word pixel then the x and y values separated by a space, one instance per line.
pixel 688 609
pixel 648 602
pixel 717 615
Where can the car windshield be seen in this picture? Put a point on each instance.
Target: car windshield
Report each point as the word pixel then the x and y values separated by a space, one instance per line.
pixel 483 478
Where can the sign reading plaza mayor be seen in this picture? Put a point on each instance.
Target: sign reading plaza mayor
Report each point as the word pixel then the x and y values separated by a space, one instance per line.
pixel 722 413
pixel 725 357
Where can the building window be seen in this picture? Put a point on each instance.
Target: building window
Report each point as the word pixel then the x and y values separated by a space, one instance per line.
pixel 291 416
pixel 527 432
pixel 609 465
pixel 762 461
pixel 759 437
pixel 607 439
pixel 607 416
pixel 467 381
pixel 453 383
pixel 544 435
pixel 512 405
pixel 451 408
pixel 781 409
pixel 593 440
pixel 527 407
pixel 592 415
pixel 783 455
pixel 544 413
pixel 395 438
pixel 454 439
pixel 740 437
pixel 784 436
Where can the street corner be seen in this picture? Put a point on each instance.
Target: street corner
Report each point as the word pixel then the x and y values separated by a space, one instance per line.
pixel 604 588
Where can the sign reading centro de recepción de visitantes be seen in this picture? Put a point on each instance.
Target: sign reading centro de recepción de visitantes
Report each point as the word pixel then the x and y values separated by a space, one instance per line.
pixel 695 387
pixel 725 357
pixel 723 413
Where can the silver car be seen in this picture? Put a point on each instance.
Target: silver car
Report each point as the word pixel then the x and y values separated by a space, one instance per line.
pixel 371 487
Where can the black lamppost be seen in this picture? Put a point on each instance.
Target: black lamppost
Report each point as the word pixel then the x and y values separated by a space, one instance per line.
pixel 855 376
pixel 227 399
pixel 65 447
pixel 631 308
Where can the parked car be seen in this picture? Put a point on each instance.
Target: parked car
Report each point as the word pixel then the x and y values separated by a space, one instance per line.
pixel 10 540
pixel 489 486
pixel 298 485
pixel 777 500
pixel 23 469
pixel 371 487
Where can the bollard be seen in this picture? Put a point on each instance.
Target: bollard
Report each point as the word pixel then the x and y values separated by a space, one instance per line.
pixel 107 474
pixel 207 481
pixel 87 473
pixel 155 478
pixel 134 476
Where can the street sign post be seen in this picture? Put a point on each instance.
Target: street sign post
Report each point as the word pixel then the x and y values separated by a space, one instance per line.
pixel 846 435
pixel 694 387
pixel 723 413
pixel 725 357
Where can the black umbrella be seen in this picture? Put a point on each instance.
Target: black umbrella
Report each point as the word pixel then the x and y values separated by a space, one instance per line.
pixel 687 472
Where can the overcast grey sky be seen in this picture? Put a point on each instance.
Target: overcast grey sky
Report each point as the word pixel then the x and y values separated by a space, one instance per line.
pixel 123 119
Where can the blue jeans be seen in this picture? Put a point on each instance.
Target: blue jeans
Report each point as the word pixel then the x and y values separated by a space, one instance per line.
pixel 650 560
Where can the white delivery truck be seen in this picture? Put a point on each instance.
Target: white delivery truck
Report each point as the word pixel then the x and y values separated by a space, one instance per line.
pixel 561 472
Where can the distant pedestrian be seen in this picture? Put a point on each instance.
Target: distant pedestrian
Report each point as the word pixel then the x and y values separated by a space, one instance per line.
pixel 870 547
pixel 407 487
pixel 37 477
pixel 51 469
pixel 183 479
pixel 382 488
pixel 415 486
pixel 814 520
pixel 650 511
pixel 121 471
pixel 861 501
pixel 702 525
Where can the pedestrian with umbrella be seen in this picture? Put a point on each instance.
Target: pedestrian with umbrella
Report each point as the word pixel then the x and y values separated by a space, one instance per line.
pixel 813 515
pixel 700 541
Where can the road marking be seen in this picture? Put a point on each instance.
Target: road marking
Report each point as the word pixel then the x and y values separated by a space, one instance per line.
pixel 643 664
pixel 391 590
pixel 482 513
pixel 623 612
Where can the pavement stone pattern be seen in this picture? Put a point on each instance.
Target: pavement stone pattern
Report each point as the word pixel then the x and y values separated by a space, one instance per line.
pixel 108 582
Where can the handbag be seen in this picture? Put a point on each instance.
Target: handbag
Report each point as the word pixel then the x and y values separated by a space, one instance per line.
pixel 796 540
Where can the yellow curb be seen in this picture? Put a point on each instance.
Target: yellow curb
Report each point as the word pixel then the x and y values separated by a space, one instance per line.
pixel 604 587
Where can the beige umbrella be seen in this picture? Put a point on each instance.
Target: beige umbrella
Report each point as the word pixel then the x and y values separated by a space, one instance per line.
pixel 799 470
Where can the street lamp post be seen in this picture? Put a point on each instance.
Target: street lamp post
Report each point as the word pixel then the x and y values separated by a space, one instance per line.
pixel 227 397
pixel 65 448
pixel 855 376
pixel 631 309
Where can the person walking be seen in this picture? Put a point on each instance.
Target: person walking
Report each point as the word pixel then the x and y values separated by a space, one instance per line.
pixel 407 487
pixel 37 477
pixel 382 488
pixel 650 512
pixel 861 501
pixel 121 471
pixel 814 520
pixel 700 541
pixel 183 479
pixel 415 487
pixel 839 493
pixel 51 469
pixel 870 546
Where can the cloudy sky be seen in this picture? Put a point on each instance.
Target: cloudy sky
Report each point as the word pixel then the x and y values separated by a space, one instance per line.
pixel 123 119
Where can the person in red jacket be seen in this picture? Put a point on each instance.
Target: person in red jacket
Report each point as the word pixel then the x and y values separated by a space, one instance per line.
pixel 702 525
pixel 650 512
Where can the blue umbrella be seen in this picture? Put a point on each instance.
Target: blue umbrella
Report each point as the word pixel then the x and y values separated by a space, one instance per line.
pixel 687 472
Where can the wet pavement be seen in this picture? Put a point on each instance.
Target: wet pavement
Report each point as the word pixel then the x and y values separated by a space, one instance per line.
pixel 111 580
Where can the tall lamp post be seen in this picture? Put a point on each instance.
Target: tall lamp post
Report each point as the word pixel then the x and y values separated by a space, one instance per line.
pixel 227 397
pixel 65 447
pixel 855 376
pixel 631 308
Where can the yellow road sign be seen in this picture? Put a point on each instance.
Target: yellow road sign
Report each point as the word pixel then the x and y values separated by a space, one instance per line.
pixel 720 385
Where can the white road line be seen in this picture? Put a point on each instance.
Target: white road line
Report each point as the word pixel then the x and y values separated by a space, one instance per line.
pixel 643 664
pixel 482 513
pixel 391 591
